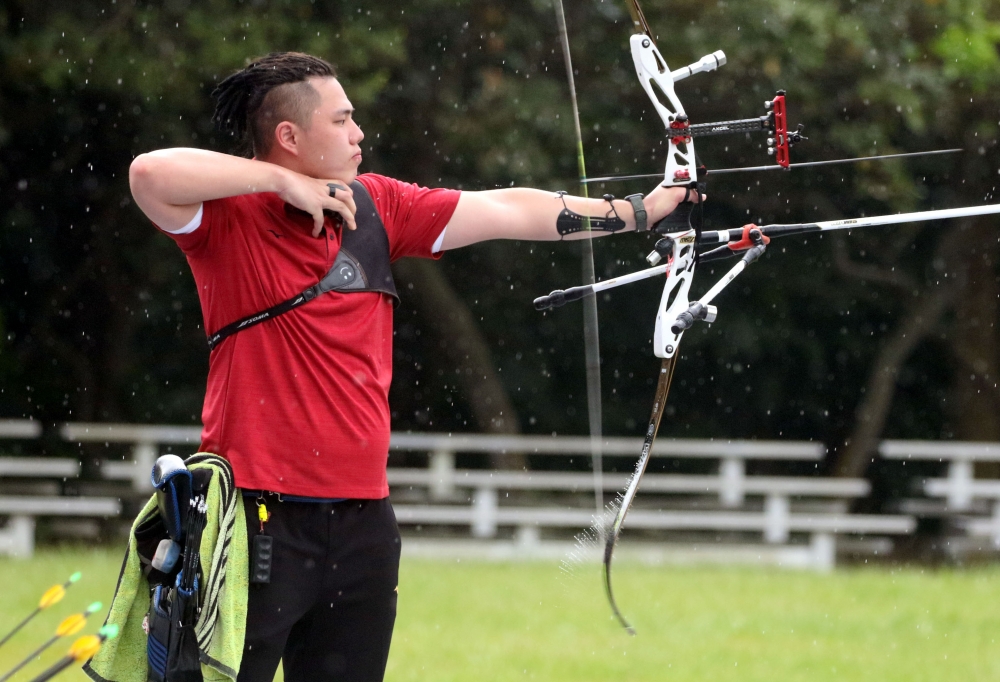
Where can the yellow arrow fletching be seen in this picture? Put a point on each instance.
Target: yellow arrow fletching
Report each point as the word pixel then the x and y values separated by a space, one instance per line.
pixel 71 625
pixel 85 648
pixel 52 596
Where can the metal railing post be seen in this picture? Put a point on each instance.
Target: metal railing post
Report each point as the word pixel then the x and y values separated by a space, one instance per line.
pixel 484 513
pixel 996 525
pixel 442 466
pixel 17 538
pixel 732 471
pixel 144 455
pixel 776 512
pixel 824 552
pixel 960 476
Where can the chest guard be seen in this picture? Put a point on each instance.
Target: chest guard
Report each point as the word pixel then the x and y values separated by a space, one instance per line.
pixel 361 265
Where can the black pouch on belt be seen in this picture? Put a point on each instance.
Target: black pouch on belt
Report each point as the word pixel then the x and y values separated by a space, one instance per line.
pixel 172 646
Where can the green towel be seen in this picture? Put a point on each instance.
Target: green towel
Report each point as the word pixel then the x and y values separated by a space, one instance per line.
pixel 222 623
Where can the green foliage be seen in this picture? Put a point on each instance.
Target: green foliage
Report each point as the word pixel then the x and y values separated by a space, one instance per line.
pixel 101 320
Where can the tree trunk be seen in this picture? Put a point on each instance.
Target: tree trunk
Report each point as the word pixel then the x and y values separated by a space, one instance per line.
pixel 975 400
pixel 870 415
pixel 921 319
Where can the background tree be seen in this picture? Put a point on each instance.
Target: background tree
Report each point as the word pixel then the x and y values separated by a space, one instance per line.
pixel 885 332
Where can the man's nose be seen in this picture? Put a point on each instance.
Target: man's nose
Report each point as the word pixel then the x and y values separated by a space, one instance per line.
pixel 357 134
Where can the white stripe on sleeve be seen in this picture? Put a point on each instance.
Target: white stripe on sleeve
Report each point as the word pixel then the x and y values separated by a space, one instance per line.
pixel 437 242
pixel 193 225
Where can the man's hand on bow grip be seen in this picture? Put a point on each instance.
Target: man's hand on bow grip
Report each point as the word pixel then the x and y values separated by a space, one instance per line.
pixel 314 197
pixel 663 201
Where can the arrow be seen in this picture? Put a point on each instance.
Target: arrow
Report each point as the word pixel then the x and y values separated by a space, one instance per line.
pixel 53 595
pixel 807 164
pixel 82 650
pixel 70 626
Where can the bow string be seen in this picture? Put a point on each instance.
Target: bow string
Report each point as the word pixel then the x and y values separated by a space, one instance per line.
pixel 591 339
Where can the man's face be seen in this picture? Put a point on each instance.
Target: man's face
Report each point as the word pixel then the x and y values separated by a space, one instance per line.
pixel 331 145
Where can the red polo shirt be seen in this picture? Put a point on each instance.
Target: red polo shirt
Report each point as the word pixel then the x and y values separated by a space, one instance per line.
pixel 299 404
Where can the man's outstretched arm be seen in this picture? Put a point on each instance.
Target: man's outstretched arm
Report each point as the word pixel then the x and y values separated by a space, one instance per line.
pixel 170 185
pixel 538 215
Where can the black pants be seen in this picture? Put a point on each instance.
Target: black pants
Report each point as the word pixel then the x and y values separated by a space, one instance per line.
pixel 329 609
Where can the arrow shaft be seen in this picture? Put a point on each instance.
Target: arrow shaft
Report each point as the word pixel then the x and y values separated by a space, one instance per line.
pixel 30 657
pixel 915 217
pixel 771 167
pixel 55 669
pixel 831 162
pixel 19 626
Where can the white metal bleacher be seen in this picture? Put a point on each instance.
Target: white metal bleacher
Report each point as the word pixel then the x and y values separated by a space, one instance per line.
pixel 769 506
pixel 959 489
pixel 145 440
pixel 483 512
pixel 775 522
pixel 17 538
pixel 732 455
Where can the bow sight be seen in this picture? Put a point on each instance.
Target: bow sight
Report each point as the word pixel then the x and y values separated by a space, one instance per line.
pixel 774 122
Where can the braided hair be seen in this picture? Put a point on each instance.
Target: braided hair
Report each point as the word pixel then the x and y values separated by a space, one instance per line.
pixel 253 101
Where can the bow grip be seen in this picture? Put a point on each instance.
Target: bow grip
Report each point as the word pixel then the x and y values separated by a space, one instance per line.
pixel 685 216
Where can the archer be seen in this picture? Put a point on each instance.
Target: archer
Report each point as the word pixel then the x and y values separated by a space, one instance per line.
pixel 290 252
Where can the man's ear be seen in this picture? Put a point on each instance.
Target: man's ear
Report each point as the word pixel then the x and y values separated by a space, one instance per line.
pixel 286 136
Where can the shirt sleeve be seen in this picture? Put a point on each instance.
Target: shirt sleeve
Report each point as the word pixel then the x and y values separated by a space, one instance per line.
pixel 213 220
pixel 413 215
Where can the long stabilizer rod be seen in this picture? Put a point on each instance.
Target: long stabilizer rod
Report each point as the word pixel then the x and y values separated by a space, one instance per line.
pixel 782 230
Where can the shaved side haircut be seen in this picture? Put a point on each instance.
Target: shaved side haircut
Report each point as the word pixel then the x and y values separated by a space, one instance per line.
pixel 253 101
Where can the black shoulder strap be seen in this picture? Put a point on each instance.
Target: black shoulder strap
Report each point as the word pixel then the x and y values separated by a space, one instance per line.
pixel 362 264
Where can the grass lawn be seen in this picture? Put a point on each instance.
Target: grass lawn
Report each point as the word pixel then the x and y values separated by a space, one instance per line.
pixel 475 621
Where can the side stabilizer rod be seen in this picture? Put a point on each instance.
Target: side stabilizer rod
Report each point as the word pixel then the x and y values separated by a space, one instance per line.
pixel 702 308
pixel 561 297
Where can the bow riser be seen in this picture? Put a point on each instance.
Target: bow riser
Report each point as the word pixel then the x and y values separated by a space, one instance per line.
pixel 658 81
pixel 675 300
